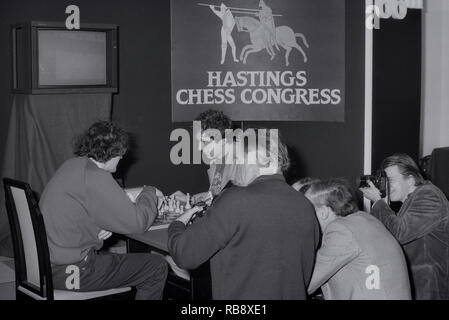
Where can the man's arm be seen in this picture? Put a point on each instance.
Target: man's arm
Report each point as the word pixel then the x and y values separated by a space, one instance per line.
pixel 192 246
pixel 217 12
pixel 337 250
pixel 418 218
pixel 111 208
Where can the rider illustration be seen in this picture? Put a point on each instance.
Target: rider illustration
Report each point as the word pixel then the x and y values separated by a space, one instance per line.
pixel 266 19
pixel 228 25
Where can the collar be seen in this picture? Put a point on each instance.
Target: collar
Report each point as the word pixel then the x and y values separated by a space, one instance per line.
pixel 263 178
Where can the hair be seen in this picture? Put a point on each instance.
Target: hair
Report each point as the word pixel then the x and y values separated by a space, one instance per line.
pixel 302 185
pixel 279 147
pixel 214 119
pixel 335 194
pixel 103 141
pixel 407 167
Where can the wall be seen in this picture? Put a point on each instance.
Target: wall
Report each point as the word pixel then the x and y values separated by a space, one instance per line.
pixel 397 87
pixel 143 104
pixel 435 98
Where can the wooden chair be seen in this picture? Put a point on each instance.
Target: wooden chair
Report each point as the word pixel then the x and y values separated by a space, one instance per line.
pixel 31 254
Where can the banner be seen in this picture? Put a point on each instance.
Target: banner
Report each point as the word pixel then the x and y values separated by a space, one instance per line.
pixel 264 60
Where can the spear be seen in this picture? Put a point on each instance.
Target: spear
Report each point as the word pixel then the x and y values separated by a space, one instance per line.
pixel 238 10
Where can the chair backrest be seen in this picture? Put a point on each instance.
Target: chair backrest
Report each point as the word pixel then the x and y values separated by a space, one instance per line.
pixel 32 263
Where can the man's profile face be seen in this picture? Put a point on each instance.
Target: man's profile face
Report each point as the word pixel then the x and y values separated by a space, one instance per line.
pixel 399 185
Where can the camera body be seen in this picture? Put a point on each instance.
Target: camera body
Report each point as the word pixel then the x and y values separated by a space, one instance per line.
pixel 380 181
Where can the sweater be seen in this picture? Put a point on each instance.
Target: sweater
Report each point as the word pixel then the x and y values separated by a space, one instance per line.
pixel 80 200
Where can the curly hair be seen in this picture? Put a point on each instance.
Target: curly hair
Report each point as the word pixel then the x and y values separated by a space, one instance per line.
pixel 214 119
pixel 335 194
pixel 103 141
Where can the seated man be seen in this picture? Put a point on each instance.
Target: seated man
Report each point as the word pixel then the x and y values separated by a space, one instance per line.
pixel 81 201
pixel 358 259
pixel 421 226
pixel 260 235
pixel 221 172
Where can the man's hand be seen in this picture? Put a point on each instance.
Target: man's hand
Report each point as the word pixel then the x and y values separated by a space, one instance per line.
pixel 159 193
pixel 203 196
pixel 180 196
pixel 185 217
pixel 371 192
pixel 103 234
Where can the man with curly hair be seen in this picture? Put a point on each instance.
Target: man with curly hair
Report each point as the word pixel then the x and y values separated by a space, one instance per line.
pixel 82 200
pixel 220 172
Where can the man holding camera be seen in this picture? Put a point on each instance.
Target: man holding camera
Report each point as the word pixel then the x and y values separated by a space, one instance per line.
pixel 421 226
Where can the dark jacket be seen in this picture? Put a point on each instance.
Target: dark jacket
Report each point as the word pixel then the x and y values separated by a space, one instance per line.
pixel 260 239
pixel 422 228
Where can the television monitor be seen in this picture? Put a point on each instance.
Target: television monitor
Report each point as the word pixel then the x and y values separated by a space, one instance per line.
pixel 48 58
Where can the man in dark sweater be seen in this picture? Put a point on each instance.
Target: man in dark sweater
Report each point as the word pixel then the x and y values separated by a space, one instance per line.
pixel 260 236
pixel 82 204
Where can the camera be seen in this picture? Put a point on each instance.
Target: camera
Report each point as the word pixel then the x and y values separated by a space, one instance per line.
pixel 380 181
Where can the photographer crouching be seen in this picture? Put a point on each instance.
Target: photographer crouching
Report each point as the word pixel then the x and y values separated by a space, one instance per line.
pixel 421 226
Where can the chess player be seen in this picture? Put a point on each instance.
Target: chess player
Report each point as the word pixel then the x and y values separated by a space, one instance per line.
pixel 359 259
pixel 82 204
pixel 260 235
pixel 220 173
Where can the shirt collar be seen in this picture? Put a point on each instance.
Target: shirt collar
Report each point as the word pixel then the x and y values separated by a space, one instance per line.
pixel 277 176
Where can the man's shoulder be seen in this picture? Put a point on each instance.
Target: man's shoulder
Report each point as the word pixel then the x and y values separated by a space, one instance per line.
pixel 341 225
pixel 428 192
pixel 427 188
pixel 361 223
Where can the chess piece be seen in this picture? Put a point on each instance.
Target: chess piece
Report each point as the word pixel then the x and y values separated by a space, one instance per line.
pixel 188 206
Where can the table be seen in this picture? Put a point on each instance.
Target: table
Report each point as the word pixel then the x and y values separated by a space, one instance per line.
pixel 177 288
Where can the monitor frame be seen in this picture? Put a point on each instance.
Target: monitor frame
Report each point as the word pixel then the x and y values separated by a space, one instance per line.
pixel 25 61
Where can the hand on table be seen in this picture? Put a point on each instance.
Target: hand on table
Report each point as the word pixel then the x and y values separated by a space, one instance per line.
pixel 179 195
pixel 103 234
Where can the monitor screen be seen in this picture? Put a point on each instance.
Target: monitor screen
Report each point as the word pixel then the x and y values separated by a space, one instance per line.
pixel 72 58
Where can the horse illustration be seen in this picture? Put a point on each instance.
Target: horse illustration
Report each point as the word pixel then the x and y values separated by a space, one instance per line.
pixel 260 39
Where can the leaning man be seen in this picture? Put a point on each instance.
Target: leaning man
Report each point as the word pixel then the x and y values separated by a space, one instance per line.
pixel 358 259
pixel 260 235
pixel 421 226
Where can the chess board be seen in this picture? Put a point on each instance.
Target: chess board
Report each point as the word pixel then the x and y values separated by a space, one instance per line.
pixel 163 220
pixel 169 212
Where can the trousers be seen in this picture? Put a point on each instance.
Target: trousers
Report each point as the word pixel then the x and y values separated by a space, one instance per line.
pixel 145 271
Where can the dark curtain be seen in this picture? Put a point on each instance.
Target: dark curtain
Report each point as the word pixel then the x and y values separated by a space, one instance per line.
pixel 40 138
